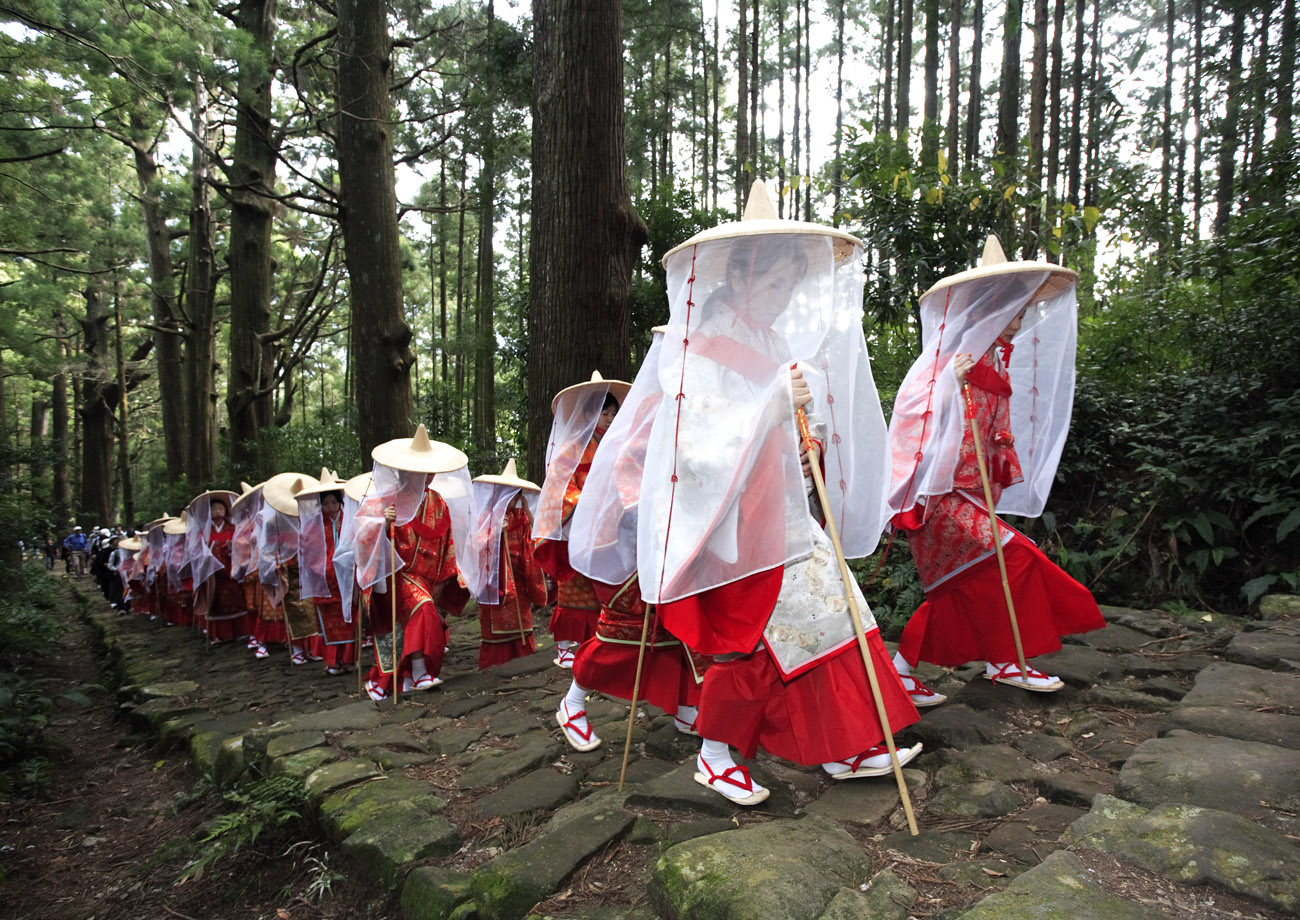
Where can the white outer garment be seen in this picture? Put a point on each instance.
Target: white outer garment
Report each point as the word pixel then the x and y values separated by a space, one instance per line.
pixel 575 422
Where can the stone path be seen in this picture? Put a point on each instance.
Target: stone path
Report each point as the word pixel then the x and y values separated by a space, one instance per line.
pixel 1164 781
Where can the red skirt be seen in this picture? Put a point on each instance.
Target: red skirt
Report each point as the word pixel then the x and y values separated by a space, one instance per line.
pixel 424 634
pixel 965 618
pixel 491 654
pixel 667 680
pixel 577 611
pixel 824 714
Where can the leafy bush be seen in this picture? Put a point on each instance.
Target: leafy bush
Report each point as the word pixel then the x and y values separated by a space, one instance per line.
pixel 264 804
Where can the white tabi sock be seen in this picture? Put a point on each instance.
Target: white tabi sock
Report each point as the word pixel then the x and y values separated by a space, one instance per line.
pixel 576 699
pixel 901 666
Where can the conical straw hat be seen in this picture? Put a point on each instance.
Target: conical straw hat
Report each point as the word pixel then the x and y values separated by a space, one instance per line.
pixel 157 522
pixel 357 487
pixel 328 482
pixel 245 490
pixel 994 263
pixel 225 495
pixel 417 454
pixel 130 544
pixel 176 525
pixel 281 490
pixel 510 477
pixel 760 218
pixel 618 387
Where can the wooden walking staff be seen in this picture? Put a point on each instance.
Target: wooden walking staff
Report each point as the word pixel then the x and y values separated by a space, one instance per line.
pixel 392 591
pixel 997 531
pixel 833 532
pixel 636 691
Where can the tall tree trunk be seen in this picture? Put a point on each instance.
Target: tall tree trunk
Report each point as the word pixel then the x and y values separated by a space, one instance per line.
pixel 383 354
pixel 716 133
pixel 458 419
pixel 1007 143
pixel 61 490
pixel 123 420
pixel 930 105
pixel 249 383
pixel 807 109
pixel 485 419
pixel 886 128
pixel 755 147
pixel 1253 173
pixel 837 179
pixel 1198 117
pixel 37 435
pixel 903 118
pixel 585 234
pixel 782 59
pixel 97 410
pixel 1284 139
pixel 975 103
pixel 1092 153
pixel 797 143
pixel 201 299
pixel 1166 139
pixel 162 295
pixel 954 87
pixel 1037 116
pixel 1054 120
pixel 1228 127
pixel 743 176
pixel 1073 158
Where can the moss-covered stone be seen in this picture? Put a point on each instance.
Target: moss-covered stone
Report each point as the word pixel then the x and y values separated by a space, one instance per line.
pixel 346 811
pixel 325 779
pixel 785 868
pixel 398 836
pixel 983 799
pixel 506 887
pixel 302 764
pixel 1059 888
pixel 431 893
pixel 1195 845
pixel 292 743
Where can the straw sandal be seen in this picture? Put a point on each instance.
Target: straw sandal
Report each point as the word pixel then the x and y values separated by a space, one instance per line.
pixel 922 696
pixel 580 739
pixel 742 791
pixel 874 762
pixel 1009 673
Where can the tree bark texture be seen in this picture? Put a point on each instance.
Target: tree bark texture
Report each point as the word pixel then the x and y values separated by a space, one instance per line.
pixel 252 178
pixel 1228 127
pixel 585 234
pixel 1037 118
pixel 99 398
pixel 200 353
pixel 382 345
pixel 162 288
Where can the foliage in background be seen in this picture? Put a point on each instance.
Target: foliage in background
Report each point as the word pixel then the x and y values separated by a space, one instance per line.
pixel 261 806
pixel 29 631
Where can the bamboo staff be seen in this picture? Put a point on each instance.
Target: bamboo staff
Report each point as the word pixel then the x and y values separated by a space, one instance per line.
pixel 997 531
pixel 392 592
pixel 361 687
pixel 636 689
pixel 833 532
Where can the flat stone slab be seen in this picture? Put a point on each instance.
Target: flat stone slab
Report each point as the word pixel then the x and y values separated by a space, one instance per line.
pixel 1266 727
pixel 954 725
pixel 332 776
pixel 931 846
pixel 169 689
pixel 787 868
pixel 432 893
pixel 1076 789
pixel 1114 638
pixel 344 812
pixel 394 737
pixel 1056 889
pixel 398 836
pixel 1079 665
pixel 502 766
pixel 284 745
pixel 983 799
pixel 678 791
pixel 449 741
pixel 988 761
pixel 1279 607
pixel 301 764
pixel 1196 845
pixel 540 789
pixel 1223 773
pixel 1151 622
pixel 1032 834
pixel 1043 748
pixel 866 801
pixel 1269 647
pixel 1245 687
pixel 507 887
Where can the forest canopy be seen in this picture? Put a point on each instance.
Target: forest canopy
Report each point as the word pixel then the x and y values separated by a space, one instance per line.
pixel 246 237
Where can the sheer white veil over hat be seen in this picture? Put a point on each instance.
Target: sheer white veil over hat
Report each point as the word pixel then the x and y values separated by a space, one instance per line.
pixel 345 552
pixel 603 530
pixel 244 515
pixel 723 496
pixel 479 559
pixel 198 522
pixel 964 314
pixel 577 412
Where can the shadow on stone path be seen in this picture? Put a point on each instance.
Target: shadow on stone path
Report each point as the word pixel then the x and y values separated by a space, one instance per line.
pixel 1164 781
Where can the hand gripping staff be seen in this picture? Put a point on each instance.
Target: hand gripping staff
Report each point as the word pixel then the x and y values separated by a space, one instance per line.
pixel 997 530
pixel 833 532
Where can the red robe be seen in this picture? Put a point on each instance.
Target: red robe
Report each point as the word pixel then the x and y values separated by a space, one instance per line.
pixel 964 616
pixel 427 581
pixel 670 672
pixel 506 627
pixel 339 636
pixel 576 607
pixel 225 609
